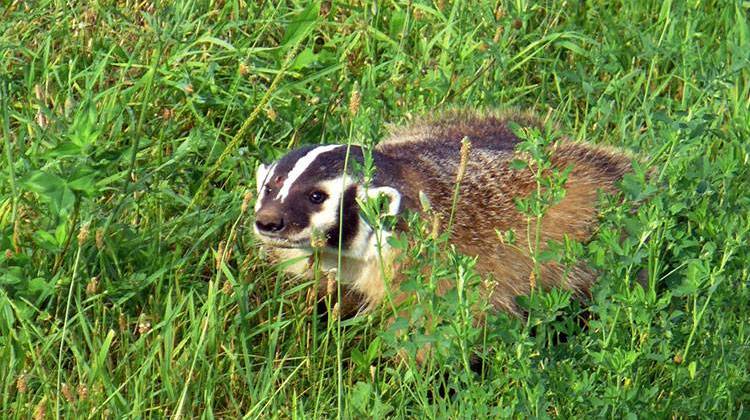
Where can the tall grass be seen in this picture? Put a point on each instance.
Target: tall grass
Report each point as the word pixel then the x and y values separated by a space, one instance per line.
pixel 130 285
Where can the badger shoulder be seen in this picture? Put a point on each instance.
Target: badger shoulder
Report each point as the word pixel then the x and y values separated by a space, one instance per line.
pixel 490 130
pixel 426 153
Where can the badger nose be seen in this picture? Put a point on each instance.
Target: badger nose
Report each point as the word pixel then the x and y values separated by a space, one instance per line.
pixel 269 221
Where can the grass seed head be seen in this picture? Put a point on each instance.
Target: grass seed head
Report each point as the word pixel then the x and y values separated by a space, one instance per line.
pixel 498 34
pixel 99 238
pixel 354 101
pixel 40 410
pixel 271 113
pixel 83 234
pixel 499 13
pixel 93 286
pixel 246 201
pixel 220 254
pixel 227 288
pixel 83 391
pixel 67 393
pixel 436 223
pixel 317 240
pixel 41 119
pixel 310 296
pixel 490 285
pixel 310 300
pixel 21 383
pixel 167 114
pixel 465 150
pixel 39 93
pixel 144 327
pixel 330 282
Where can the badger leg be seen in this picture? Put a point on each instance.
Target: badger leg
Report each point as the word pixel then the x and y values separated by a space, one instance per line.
pixel 328 297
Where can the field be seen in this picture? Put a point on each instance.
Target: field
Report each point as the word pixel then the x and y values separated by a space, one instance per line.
pixel 131 284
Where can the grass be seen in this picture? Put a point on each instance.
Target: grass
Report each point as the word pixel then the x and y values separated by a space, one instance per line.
pixel 131 286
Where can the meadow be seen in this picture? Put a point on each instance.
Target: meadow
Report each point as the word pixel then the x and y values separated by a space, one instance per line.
pixel 131 284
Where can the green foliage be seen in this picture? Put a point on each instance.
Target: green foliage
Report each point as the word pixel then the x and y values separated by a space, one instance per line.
pixel 130 285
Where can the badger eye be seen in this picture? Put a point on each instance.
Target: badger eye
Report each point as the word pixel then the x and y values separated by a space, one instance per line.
pixel 317 197
pixel 267 189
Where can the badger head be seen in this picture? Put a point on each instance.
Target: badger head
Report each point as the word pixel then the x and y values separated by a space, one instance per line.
pixel 307 195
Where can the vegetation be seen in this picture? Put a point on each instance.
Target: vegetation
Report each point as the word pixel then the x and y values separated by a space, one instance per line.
pixel 131 284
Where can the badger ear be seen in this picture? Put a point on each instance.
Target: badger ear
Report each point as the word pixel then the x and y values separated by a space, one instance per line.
pixel 394 198
pixel 260 176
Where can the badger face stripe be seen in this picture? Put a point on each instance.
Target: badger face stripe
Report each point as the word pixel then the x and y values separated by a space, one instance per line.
pixel 300 167
pixel 348 214
pixel 262 174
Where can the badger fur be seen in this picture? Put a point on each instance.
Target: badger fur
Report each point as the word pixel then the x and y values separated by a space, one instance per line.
pixel 307 193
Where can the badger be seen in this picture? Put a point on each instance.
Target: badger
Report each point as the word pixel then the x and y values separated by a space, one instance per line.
pixel 309 203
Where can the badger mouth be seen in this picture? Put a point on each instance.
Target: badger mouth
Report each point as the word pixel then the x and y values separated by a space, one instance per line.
pixel 282 242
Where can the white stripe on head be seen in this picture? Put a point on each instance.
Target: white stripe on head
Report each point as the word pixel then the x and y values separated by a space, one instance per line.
pixel 300 167
pixel 262 174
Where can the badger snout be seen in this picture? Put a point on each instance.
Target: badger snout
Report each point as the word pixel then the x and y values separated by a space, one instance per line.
pixel 269 221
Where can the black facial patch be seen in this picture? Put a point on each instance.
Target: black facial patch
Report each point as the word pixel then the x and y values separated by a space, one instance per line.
pixel 297 215
pixel 350 222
